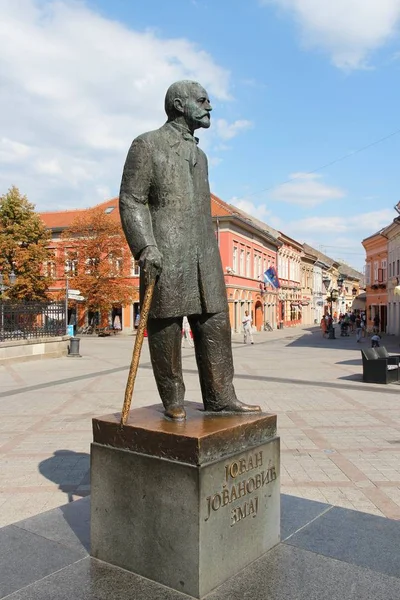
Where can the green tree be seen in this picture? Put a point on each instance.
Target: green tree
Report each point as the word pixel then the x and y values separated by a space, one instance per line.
pixel 23 247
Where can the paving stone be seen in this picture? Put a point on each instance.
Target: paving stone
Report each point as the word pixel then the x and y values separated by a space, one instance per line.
pixel 297 512
pixel 284 573
pixel 26 557
pixel 354 537
pixel 68 525
pixel 336 433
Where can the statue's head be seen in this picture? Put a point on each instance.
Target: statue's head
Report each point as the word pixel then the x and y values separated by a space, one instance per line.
pixel 188 99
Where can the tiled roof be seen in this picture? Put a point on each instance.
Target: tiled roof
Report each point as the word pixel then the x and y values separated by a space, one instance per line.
pixel 342 267
pixel 349 271
pixel 320 255
pixel 63 218
pixel 219 208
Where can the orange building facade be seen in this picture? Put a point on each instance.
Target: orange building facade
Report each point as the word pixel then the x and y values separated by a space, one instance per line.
pixel 376 278
pixel 78 314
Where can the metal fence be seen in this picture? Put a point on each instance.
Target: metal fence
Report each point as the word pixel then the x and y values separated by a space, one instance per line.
pixel 26 320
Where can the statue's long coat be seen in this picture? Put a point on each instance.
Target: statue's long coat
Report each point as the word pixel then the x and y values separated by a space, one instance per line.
pixel 165 201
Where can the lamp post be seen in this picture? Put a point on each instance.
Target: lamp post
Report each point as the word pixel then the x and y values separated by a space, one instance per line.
pixel 332 298
pixel 12 278
pixel 66 303
pixel 341 292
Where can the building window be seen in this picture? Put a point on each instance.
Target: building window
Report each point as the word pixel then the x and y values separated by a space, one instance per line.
pixel 376 268
pixel 384 268
pixel 50 269
pixel 390 269
pixel 248 265
pixel 135 270
pixel 235 259
pixel 241 264
pixel 368 273
pixel 71 267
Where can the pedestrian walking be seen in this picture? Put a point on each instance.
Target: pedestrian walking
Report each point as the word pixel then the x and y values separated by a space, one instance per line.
pixel 323 326
pixel 247 322
pixel 364 324
pixel 358 328
pixel 187 337
pixel 377 322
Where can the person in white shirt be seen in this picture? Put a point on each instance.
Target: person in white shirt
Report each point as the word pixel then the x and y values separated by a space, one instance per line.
pixel 247 322
pixel 186 333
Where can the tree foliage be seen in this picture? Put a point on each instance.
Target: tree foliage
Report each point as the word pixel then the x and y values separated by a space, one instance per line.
pixel 97 260
pixel 23 247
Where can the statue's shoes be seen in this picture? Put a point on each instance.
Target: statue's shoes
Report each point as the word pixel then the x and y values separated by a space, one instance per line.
pixel 234 405
pixel 175 412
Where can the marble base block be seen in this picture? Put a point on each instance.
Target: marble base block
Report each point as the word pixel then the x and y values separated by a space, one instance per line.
pixel 185 504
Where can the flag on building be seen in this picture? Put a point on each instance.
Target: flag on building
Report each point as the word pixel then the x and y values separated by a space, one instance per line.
pixel 271 278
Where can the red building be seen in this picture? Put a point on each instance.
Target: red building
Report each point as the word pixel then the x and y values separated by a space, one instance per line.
pixel 248 247
pixel 57 222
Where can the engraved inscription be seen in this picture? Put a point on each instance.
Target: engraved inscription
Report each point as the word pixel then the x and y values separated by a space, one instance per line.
pixel 233 489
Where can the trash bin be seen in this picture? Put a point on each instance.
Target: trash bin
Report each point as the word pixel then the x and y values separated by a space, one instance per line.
pixel 281 325
pixel 73 349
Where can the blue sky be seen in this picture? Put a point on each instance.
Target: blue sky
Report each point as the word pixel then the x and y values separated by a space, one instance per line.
pixel 295 84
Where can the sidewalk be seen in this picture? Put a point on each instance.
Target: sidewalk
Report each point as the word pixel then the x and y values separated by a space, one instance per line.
pixel 340 437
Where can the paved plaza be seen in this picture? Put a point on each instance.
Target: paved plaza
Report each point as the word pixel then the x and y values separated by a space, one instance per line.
pixel 340 437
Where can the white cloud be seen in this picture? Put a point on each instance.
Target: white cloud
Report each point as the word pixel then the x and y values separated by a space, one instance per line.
pixel 77 88
pixel 306 190
pixel 49 167
pixel 258 211
pixel 11 151
pixel 340 236
pixel 227 131
pixel 349 30
pixel 361 223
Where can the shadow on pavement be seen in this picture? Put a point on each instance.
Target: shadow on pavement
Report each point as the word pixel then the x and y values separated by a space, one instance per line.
pixel 353 361
pixel 70 471
pixel 312 338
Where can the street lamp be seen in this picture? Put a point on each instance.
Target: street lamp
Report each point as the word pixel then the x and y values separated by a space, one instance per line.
pixel 332 298
pixel 334 295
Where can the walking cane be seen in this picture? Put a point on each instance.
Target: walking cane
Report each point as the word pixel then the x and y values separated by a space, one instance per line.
pixel 148 296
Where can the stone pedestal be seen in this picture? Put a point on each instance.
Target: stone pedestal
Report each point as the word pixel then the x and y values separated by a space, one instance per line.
pixel 185 504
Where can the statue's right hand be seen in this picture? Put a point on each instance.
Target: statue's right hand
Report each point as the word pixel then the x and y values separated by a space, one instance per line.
pixel 150 261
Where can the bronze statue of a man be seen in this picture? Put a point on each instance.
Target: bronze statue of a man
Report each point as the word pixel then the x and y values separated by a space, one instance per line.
pixel 166 215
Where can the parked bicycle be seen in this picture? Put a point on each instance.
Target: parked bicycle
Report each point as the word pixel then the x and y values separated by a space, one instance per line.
pixel 267 326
